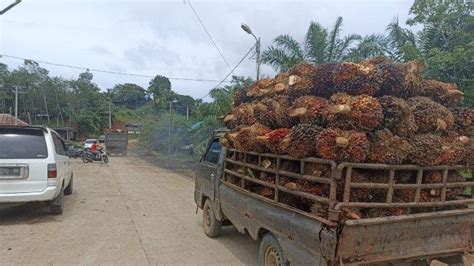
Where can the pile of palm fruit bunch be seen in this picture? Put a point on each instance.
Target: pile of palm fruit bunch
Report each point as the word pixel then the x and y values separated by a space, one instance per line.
pixel 375 111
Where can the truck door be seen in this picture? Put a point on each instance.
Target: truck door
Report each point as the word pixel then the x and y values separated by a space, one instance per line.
pixel 208 169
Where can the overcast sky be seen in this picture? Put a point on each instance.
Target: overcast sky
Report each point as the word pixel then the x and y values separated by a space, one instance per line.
pixel 164 37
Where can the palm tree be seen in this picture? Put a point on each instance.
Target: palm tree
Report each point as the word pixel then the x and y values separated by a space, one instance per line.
pixel 369 46
pixel 399 40
pixel 319 46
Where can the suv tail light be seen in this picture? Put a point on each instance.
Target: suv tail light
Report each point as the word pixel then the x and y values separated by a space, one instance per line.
pixel 52 170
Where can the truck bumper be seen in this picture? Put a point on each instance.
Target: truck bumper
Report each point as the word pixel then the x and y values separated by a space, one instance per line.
pixel 46 195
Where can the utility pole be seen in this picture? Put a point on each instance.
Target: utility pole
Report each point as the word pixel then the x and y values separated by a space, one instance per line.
pixel 247 29
pixel 16 105
pixel 110 115
pixel 171 124
pixel 187 112
pixel 257 48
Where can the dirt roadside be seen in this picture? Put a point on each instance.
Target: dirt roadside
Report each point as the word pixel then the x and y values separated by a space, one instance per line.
pixel 127 212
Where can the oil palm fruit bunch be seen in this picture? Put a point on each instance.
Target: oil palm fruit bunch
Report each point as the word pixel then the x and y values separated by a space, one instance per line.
pixel 265 113
pixel 388 75
pixel 469 158
pixel 428 149
pixel 245 138
pixel 454 149
pixel 261 88
pixel 408 195
pixel 397 116
pixel 226 141
pixel 433 177
pixel 281 85
pixel 463 121
pixel 388 148
pixel 360 194
pixel 412 72
pixel 429 115
pixel 356 79
pixel 454 192
pixel 354 112
pixel 300 80
pixel 273 112
pixel 302 139
pixel 446 94
pixel 240 96
pixel 280 106
pixel 323 84
pixel 242 115
pixel 273 140
pixel 309 109
pixel 319 209
pixel 340 145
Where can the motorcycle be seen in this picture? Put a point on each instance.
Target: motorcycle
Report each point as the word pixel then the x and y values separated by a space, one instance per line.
pixel 75 153
pixel 101 155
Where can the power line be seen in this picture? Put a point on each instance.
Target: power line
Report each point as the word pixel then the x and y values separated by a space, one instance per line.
pixel 209 35
pixel 107 71
pixel 232 71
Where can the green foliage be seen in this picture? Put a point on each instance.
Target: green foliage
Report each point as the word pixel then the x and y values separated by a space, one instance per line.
pixel 319 46
pixel 128 95
pixel 446 42
pixel 156 133
pixel 160 88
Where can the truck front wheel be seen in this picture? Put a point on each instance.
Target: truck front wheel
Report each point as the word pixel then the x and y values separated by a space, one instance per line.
pixel 212 226
pixel 270 252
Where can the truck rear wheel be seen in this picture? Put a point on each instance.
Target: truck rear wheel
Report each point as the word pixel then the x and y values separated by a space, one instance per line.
pixel 212 226
pixel 270 252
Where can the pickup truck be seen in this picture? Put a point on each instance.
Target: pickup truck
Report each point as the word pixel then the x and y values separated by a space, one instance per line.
pixel 289 235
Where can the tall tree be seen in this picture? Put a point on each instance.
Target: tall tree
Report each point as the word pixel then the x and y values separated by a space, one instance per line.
pixel 129 95
pixel 319 46
pixel 446 41
pixel 160 88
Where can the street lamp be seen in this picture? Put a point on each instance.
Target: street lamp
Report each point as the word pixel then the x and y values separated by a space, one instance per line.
pixel 171 124
pixel 247 29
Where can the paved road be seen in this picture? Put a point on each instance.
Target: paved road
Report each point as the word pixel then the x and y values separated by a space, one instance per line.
pixel 127 212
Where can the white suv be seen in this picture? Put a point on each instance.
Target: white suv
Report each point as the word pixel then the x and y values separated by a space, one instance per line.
pixel 34 166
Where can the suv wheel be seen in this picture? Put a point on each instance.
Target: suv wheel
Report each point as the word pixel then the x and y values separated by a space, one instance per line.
pixel 68 190
pixel 57 204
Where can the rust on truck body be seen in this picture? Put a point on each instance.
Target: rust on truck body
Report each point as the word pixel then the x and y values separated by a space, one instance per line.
pixel 378 239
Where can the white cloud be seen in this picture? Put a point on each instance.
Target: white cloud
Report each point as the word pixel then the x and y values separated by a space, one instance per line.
pixel 163 37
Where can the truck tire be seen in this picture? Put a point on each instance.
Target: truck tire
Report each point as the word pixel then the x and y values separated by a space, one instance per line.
pixel 57 204
pixel 211 226
pixel 69 188
pixel 270 252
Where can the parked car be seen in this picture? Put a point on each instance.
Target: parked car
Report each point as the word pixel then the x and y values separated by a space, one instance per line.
pixel 88 143
pixel 34 167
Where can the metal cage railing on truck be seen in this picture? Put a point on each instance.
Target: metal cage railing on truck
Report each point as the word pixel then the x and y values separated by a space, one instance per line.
pixel 343 173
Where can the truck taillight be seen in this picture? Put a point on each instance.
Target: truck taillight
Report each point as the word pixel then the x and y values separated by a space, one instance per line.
pixel 52 170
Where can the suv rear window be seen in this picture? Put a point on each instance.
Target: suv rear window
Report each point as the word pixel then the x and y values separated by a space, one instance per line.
pixel 22 143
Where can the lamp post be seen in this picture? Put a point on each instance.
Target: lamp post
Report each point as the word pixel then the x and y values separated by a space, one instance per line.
pixel 247 29
pixel 171 124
